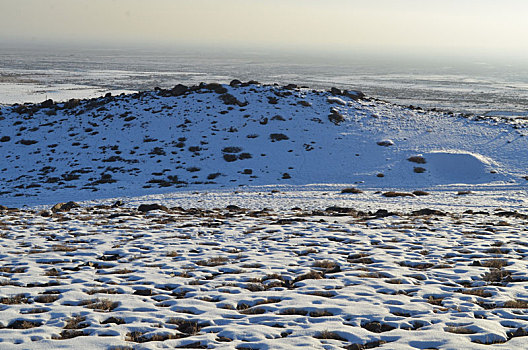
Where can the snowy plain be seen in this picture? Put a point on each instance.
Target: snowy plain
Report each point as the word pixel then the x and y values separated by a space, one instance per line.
pixel 288 217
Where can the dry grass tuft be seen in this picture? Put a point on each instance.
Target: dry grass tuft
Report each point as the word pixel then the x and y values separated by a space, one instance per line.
pixel 101 305
pixel 214 261
pixel 459 330
pixel 76 323
pixel 325 264
pixel 188 327
pixel 16 299
pixel 141 337
pixel 495 263
pixel 46 298
pixel 329 335
pixel 312 275
pixel 477 292
pixel 516 304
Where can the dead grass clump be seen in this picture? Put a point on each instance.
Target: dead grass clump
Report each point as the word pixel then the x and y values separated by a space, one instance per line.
pixel 325 264
pixel 312 275
pixel 47 298
pixel 101 291
pixel 516 304
pixel 369 345
pixel 214 261
pixel 188 327
pixel 377 327
pixel 23 324
pixel 320 313
pixel 53 272
pixel 252 311
pixel 392 194
pixel 141 337
pixel 63 248
pixel 496 276
pixel 417 159
pixel 495 263
pixel 115 320
pixel 323 293
pixel 351 190
pixel 35 310
pixel 459 330
pixel 16 299
pixel 476 292
pixel 69 334
pixel 329 335
pixel 101 305
pixel 435 301
pixel 294 311
pixel 360 258
pixel 76 323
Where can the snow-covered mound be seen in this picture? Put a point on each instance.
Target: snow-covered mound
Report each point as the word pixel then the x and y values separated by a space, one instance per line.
pixel 224 136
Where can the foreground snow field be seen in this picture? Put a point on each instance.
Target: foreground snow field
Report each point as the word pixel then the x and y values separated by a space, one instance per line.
pixel 121 278
pixel 261 217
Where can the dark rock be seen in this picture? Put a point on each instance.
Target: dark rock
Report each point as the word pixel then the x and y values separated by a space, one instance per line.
pixel 335 91
pixel 427 211
pixel 336 117
pixel 3 207
pixel 61 207
pixel 28 142
pixel 5 139
pixel 178 90
pixel 291 86
pixel 47 104
pixel 278 137
pixel 354 95
pixel 235 83
pixel 118 204
pixel 149 207
pixel 229 99
pixel 218 88
pixel 143 292
pixel 228 157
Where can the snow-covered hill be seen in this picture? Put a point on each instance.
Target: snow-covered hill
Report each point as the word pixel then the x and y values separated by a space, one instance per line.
pixel 224 136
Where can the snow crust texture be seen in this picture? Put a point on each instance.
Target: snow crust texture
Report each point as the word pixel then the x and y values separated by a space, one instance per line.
pixel 151 277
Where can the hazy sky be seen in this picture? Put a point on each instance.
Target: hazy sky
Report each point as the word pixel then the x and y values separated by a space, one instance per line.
pixel 472 25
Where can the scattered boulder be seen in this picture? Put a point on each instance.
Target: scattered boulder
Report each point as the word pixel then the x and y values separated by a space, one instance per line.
pixel 144 208
pixel 62 207
pixel 351 190
pixel 47 104
pixel 5 139
pixel 235 83
pixel 354 95
pixel 218 88
pixel 336 117
pixel 417 159
pixel 335 91
pixel 229 99
pixel 385 143
pixel 278 137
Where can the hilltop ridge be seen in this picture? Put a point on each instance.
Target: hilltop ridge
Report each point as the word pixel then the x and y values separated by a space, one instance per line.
pixel 245 134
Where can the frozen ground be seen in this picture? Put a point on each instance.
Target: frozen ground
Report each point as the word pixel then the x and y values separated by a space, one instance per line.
pixel 119 278
pixel 286 218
